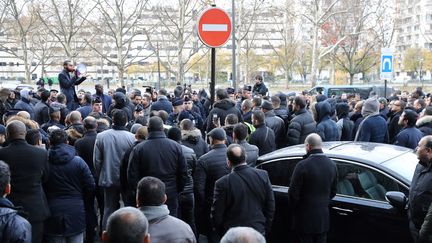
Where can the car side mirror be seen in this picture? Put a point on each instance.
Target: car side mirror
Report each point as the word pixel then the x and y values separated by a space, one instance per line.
pixel 397 199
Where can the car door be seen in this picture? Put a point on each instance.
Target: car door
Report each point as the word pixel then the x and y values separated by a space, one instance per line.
pixel 280 172
pixel 360 212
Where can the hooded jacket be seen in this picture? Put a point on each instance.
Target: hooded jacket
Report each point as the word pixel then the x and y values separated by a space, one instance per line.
pixel 326 128
pixel 13 227
pixel 222 109
pixel 69 180
pixel 424 124
pixel 162 104
pixel 194 140
pixel 25 105
pixel 121 104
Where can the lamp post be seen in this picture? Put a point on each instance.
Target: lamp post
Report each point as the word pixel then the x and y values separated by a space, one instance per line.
pixel 234 71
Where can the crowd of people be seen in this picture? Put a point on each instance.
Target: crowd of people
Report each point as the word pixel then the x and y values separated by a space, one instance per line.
pixel 157 166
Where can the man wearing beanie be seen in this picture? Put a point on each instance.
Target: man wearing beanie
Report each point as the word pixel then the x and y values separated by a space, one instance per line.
pixel 373 127
pixel 24 103
pixel 210 167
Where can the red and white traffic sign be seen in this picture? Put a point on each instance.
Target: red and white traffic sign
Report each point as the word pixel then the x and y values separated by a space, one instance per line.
pixel 214 27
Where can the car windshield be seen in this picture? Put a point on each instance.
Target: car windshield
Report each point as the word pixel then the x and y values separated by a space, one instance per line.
pixel 404 165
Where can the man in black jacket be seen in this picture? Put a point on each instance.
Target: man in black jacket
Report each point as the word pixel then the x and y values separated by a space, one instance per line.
pixel 274 122
pixel 244 197
pixel 263 137
pixel 67 80
pixel 313 185
pixel 393 123
pixel 420 196
pixel 84 148
pixel 162 158
pixel 41 109
pixel 222 107
pixel 210 167
pixel 302 124
pixel 29 169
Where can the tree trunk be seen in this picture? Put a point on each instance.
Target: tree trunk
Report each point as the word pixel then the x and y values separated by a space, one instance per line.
pixel 351 80
pixel 238 44
pixel 286 79
pixel 27 63
pixel 315 58
pixel 180 43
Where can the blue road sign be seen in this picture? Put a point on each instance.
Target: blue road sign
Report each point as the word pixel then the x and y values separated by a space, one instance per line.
pixel 386 63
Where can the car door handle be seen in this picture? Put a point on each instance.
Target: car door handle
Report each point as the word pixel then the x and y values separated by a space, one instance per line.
pixel 342 211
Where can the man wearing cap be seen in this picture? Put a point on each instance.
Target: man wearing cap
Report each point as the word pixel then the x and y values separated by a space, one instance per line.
pixel 210 167
pixel 24 104
pixel 246 95
pixel 191 112
pixel 53 96
pixel 68 80
pixel 274 122
pixel 173 118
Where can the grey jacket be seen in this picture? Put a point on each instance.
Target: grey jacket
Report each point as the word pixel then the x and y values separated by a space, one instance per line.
pixel 109 149
pixel 251 152
pixel 165 228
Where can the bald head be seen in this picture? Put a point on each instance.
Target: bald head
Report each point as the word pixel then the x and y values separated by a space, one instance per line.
pixel 236 155
pixel 16 130
pixel 24 114
pixel 90 123
pixel 128 225
pixel 75 117
pixel 313 141
pixel 242 235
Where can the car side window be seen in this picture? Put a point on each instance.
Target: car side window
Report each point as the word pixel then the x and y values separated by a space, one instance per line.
pixel 359 181
pixel 280 172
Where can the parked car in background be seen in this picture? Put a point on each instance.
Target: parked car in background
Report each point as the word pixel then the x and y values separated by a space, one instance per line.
pixel 362 90
pixel 372 191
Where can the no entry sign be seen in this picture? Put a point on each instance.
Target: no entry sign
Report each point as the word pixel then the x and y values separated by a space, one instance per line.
pixel 214 27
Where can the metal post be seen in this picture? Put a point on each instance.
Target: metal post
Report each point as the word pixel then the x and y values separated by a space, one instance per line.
pixel 234 71
pixel 385 88
pixel 213 76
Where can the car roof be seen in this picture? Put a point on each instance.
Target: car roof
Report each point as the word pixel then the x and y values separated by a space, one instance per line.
pixel 369 153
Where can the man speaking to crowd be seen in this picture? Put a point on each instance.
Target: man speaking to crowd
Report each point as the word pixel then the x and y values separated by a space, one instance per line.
pixel 68 79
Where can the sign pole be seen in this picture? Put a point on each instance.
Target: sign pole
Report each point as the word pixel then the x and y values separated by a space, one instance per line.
pixel 213 76
pixel 385 88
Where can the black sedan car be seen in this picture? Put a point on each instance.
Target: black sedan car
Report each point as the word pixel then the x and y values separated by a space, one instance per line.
pixel 372 191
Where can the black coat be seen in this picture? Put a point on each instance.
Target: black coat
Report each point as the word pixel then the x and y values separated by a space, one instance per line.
pixel 162 158
pixel 277 124
pixel 312 186
pixel 300 127
pixel 162 104
pixel 393 126
pixel 13 227
pixel 243 198
pixel 210 167
pixel 67 87
pixel 85 147
pixel 424 124
pixel 420 196
pixel 29 169
pixel 264 139
pixel 222 109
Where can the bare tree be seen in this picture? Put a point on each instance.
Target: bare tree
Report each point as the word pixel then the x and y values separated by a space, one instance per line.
pixel 120 23
pixel 18 22
pixel 286 52
pixel 358 52
pixel 318 12
pixel 246 33
pixel 174 41
pixel 66 21
pixel 42 47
